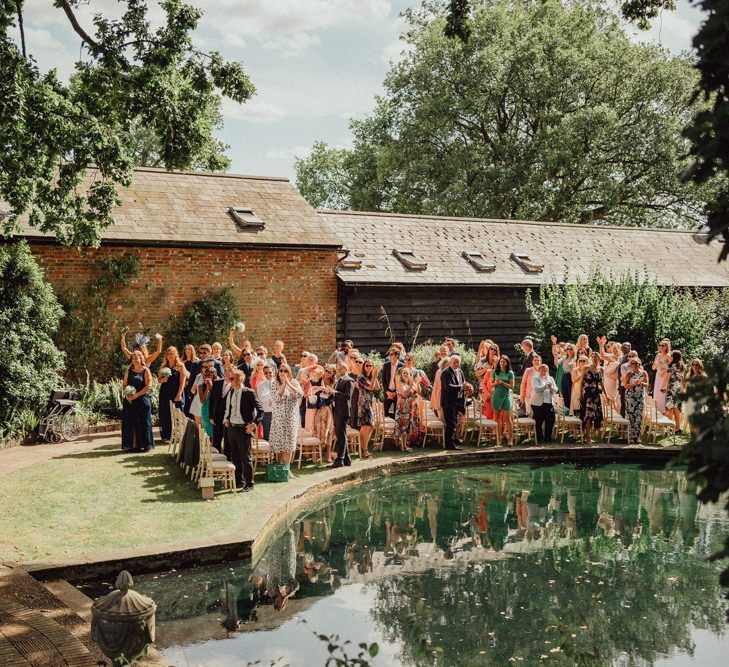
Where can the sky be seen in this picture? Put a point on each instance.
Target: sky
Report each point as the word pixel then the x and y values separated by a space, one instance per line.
pixel 315 63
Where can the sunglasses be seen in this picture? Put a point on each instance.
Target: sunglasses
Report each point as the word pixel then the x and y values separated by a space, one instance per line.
pixel 357 363
pixel 247 354
pixel 260 354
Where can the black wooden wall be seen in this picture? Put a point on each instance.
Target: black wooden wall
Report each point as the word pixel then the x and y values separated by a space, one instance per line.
pixel 467 313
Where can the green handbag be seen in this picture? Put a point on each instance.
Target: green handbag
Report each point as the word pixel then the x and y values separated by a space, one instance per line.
pixel 277 472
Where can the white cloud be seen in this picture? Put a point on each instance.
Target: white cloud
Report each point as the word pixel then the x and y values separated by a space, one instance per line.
pixel 288 154
pixel 256 110
pixel 289 26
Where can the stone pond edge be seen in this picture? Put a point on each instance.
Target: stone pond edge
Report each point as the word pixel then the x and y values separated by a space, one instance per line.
pixel 254 530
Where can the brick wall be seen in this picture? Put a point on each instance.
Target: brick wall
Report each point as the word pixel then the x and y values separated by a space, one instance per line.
pixel 286 294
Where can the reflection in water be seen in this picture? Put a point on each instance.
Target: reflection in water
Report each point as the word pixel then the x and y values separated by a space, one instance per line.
pixel 473 566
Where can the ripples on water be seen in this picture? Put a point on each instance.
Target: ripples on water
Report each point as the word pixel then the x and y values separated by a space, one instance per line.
pixel 477 566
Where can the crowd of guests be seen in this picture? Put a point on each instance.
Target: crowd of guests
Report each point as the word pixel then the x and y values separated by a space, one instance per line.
pixel 240 393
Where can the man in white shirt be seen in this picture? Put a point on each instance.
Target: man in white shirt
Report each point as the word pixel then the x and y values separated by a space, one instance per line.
pixel 543 390
pixel 263 389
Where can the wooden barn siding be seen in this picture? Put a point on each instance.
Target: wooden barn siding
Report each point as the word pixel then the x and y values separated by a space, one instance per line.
pixel 467 313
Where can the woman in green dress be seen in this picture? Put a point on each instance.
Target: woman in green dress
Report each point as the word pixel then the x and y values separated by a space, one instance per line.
pixel 503 385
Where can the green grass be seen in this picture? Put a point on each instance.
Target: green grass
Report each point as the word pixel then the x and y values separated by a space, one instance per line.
pixel 81 504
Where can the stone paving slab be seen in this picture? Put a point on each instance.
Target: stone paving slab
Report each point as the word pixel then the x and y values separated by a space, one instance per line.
pixel 28 638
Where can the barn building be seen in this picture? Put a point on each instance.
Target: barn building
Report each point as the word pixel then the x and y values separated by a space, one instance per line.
pixel 311 277
pixel 436 276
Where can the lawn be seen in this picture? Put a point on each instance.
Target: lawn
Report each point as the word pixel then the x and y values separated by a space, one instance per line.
pixel 80 504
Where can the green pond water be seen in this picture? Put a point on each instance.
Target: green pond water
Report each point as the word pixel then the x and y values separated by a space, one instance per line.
pixel 474 566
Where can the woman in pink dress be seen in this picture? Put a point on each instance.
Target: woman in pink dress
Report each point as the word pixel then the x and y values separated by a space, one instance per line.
pixel 611 355
pixel 487 380
pixel 435 394
pixel 660 366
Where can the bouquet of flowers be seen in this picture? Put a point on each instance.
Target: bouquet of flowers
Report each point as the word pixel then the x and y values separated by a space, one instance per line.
pixel 166 372
pixel 140 339
pixel 240 327
pixel 129 390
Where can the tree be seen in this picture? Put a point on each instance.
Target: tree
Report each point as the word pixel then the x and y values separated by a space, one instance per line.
pixel 63 147
pixel 630 308
pixel 547 111
pixel 146 151
pixel 29 316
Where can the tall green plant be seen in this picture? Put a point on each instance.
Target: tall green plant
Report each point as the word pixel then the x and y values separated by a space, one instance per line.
pixel 205 320
pixel 631 308
pixel 30 362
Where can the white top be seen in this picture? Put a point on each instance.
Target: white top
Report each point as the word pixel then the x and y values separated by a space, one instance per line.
pixel 263 389
pixel 543 389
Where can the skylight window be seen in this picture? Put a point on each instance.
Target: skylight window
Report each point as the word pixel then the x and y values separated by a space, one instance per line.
pixel 350 263
pixel 479 262
pixel 410 260
pixel 526 262
pixel 246 218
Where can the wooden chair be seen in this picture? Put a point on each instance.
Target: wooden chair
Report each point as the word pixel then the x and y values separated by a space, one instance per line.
pixel 179 422
pixel 523 425
pixel 480 424
pixel 384 426
pixel 613 423
pixel 434 426
pixel 565 422
pixel 309 445
pixel 220 471
pixel 354 445
pixel 656 422
pixel 261 452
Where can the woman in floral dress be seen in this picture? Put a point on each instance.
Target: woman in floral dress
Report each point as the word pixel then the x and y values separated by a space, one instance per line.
pixel 672 390
pixel 407 414
pixel 590 401
pixel 286 394
pixel 635 381
pixel 368 384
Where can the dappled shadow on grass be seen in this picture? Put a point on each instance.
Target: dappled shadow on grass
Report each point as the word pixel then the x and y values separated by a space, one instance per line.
pixel 107 451
pixel 163 476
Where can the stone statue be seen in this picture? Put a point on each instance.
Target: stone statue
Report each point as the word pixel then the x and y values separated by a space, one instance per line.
pixel 123 621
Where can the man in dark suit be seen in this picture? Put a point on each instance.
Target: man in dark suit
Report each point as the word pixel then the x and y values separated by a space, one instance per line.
pixel 389 373
pixel 245 364
pixel 243 415
pixel 452 399
pixel 343 389
pixel 217 408
pixel 527 347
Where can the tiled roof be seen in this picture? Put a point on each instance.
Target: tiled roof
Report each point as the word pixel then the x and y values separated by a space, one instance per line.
pixel 192 208
pixel 670 256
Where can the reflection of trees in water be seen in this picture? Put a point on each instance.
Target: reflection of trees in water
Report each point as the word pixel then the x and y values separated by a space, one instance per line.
pixel 469 536
pixel 640 604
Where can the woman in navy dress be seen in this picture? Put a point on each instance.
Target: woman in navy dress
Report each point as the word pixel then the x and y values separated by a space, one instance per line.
pixel 172 375
pixel 137 410
pixel 191 362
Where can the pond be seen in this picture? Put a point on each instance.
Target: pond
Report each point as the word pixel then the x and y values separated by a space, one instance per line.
pixel 471 566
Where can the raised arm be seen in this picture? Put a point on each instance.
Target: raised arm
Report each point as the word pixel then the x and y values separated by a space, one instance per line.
pixel 157 352
pixel 233 346
pixel 124 348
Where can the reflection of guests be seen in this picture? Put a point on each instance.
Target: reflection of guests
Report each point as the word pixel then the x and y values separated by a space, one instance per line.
pixel 243 415
pixel 281 583
pixel 452 399
pixel 544 389
pixel 136 423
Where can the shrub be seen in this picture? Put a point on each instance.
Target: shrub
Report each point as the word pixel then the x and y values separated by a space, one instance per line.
pixel 631 308
pixel 105 400
pixel 29 314
pixel 204 321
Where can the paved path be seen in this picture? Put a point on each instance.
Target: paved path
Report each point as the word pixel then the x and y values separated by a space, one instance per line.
pixel 17 458
pixel 30 639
